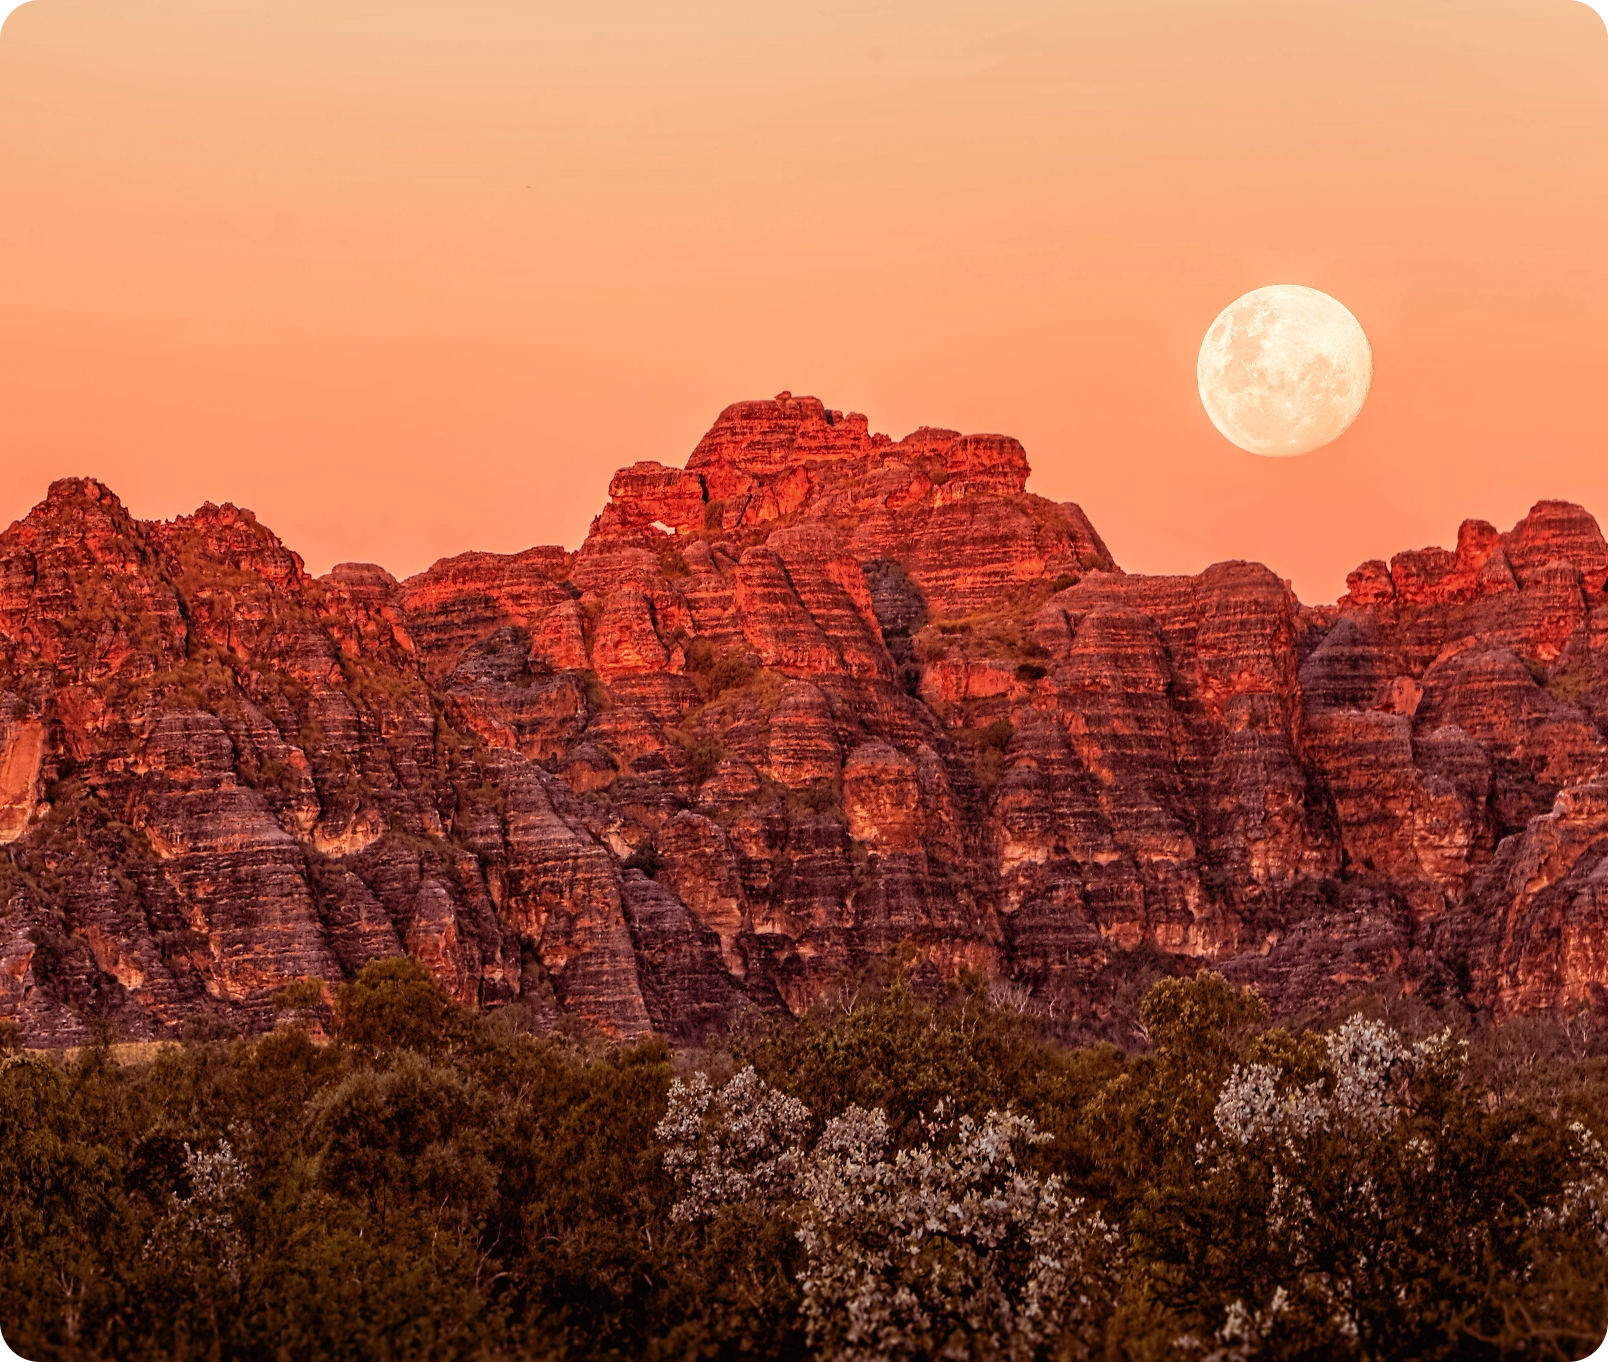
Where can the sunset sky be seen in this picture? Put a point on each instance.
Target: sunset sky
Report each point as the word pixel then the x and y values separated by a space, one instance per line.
pixel 410 277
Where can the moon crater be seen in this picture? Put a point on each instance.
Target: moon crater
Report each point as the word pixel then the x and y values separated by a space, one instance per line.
pixel 1284 370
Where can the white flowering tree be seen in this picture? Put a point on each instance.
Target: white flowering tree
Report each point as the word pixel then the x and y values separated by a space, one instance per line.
pixel 200 1226
pixel 1381 1192
pixel 745 1145
pixel 950 1249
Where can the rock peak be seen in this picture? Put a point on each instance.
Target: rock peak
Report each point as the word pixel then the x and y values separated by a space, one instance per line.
pixel 1486 562
pixel 81 489
pixel 778 459
pixel 769 437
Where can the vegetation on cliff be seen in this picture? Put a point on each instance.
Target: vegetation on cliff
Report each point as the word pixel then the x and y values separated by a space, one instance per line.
pixel 900 1173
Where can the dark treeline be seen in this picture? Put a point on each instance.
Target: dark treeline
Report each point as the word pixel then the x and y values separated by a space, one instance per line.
pixel 1385 1183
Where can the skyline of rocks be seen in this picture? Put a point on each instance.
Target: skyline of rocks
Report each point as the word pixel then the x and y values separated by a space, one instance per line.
pixel 812 695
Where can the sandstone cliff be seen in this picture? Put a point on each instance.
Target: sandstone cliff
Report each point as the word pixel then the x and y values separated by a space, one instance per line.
pixel 815 694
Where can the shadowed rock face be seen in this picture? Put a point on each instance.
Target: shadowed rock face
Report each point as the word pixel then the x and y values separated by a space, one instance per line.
pixel 815 694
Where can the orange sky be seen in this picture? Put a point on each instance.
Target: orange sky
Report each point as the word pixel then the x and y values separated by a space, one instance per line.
pixel 409 277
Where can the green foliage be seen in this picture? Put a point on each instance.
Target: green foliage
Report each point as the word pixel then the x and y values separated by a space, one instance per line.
pixel 817 797
pixel 395 1004
pixel 989 751
pixel 436 1184
pixel 700 655
pixel 597 694
pixel 409 1133
pixel 997 734
pixel 1199 1018
pixel 299 996
pixel 728 673
pixel 703 756
pixel 1572 685
pixel 203 1028
pixel 719 671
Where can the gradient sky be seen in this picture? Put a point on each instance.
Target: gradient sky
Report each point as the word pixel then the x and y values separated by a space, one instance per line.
pixel 410 277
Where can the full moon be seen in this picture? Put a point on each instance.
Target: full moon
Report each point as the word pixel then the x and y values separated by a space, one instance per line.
pixel 1284 370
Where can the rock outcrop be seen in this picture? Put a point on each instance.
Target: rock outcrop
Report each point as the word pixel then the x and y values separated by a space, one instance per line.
pixel 815 695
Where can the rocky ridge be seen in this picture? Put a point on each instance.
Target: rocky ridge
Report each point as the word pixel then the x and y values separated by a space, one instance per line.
pixel 814 695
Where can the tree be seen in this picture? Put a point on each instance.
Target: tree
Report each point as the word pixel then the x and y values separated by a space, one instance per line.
pixel 1353 1198
pixel 396 1004
pixel 948 1249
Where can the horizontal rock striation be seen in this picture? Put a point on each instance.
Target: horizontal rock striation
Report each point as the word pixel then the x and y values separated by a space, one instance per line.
pixel 815 695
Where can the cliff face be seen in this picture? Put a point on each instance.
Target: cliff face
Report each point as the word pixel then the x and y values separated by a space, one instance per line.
pixel 813 695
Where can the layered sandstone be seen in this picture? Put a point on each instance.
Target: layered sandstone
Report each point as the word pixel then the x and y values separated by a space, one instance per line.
pixel 813 695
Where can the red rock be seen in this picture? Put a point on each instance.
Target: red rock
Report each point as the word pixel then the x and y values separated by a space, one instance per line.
pixel 701 871
pixel 775 622
pixel 776 437
pixel 557 637
pixel 1370 584
pixel 625 642
pixel 21 752
pixel 367 582
pixel 983 464
pixel 478 764
pixel 1558 532
pixel 688 993
pixel 648 493
pixel 1544 946
pixel 459 600
pixel 803 744
pixel 1436 577
pixel 882 798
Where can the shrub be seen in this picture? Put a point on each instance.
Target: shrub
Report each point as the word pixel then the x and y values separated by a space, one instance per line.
pixel 204 1028
pixel 952 1248
pixel 301 995
pixel 1573 686
pixel 998 734
pixel 597 694
pixel 1338 1146
pixel 729 673
pixel 721 671
pixel 700 655
pixel 703 756
pixel 819 796
pixel 395 1004
pixel 989 768
pixel 468 1187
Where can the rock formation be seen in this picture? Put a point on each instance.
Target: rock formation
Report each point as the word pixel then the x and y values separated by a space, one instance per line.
pixel 815 695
